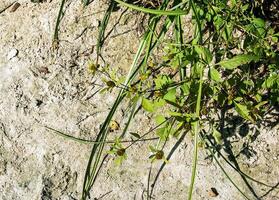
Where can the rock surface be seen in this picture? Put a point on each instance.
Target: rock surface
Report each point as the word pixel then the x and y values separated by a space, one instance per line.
pixel 43 87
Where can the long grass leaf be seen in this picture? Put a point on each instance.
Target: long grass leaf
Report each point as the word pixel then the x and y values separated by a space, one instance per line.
pixel 198 32
pixel 84 141
pixel 58 20
pixel 231 165
pixel 102 29
pixel 196 132
pixel 226 174
pixel 179 40
pixel 98 149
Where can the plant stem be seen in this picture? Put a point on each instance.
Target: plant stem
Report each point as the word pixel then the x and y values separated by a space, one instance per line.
pixel 59 18
pixel 196 132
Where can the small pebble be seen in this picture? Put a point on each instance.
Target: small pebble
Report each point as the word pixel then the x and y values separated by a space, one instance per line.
pixel 213 192
pixel 44 70
pixel 15 7
pixel 13 53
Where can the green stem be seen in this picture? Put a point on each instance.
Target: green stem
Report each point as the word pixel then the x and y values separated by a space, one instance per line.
pixel 59 18
pixel 84 141
pixel 196 132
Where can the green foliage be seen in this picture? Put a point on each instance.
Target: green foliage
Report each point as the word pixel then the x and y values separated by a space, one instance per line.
pixel 147 105
pixel 238 61
pixel 243 111
pixel 230 61
pixel 217 136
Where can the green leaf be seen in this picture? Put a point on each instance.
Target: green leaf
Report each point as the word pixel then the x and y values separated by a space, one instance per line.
pixel 159 103
pixel 197 69
pixel 171 95
pixel 259 22
pixel 159 119
pixel 249 82
pixel 92 68
pixel 186 88
pixel 147 105
pixel 218 22
pixel 215 75
pixel 243 111
pixel 238 60
pixel 119 160
pixel 174 114
pixel 162 133
pixel 152 149
pixel 259 105
pixel 238 99
pixel 227 32
pixel 204 53
pixel 270 81
pixel 136 135
pixel 217 136
pixel 162 81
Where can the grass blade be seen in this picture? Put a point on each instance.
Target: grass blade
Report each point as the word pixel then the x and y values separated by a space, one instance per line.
pixel 198 32
pixel 231 165
pixel 98 148
pixel 179 40
pixel 102 29
pixel 83 141
pixel 226 174
pixel 58 20
pixel 196 132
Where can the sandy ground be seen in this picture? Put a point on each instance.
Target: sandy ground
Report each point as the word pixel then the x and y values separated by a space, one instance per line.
pixel 54 88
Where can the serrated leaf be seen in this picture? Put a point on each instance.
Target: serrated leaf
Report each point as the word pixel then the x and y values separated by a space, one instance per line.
pixel 147 105
pixel 238 61
pixel 243 111
pixel 162 81
pixel 215 75
pixel 217 136
pixel 270 81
